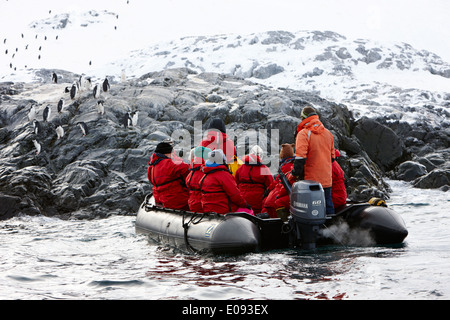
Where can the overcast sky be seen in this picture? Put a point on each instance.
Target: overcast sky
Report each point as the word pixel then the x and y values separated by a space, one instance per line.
pixel 425 24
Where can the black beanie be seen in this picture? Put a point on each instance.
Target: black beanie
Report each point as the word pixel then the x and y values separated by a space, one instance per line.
pixel 218 124
pixel 164 148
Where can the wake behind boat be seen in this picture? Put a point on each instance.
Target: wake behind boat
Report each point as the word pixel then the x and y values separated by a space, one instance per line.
pixel 238 232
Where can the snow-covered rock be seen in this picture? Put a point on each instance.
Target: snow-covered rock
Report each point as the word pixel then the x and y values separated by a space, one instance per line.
pixel 387 104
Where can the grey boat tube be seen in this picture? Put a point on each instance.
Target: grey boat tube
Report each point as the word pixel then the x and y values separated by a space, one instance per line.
pixel 198 232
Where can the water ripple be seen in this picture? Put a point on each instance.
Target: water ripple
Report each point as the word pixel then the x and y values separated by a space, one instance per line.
pixel 49 258
pixel 116 283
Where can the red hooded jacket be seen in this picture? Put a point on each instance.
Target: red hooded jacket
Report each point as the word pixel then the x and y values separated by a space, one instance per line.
pixel 219 140
pixel 338 191
pixel 219 190
pixel 253 180
pixel 277 189
pixel 168 177
pixel 282 199
pixel 193 184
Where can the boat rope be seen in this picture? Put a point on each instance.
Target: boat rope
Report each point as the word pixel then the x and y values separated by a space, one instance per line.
pixel 146 203
pixel 192 220
pixel 286 228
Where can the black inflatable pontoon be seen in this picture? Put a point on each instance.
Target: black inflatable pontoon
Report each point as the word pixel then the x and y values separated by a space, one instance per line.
pixel 239 232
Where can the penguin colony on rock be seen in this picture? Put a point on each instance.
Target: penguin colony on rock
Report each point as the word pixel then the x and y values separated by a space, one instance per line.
pixel 80 85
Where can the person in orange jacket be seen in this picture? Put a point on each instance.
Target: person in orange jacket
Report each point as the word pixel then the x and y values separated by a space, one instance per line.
pixel 167 173
pixel 314 153
pixel 198 157
pixel 219 190
pixel 338 191
pixel 254 178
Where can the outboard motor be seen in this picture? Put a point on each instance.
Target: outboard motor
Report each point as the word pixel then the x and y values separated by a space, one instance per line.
pixel 308 211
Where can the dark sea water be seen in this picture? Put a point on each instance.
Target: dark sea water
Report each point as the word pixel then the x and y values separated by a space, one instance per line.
pixel 49 258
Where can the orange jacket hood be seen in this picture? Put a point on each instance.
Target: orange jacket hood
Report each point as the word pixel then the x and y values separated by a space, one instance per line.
pixel 311 123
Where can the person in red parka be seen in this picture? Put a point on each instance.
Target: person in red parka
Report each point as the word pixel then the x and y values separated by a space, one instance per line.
pixel 167 173
pixel 219 190
pixel 198 157
pixel 338 191
pixel 254 178
pixel 277 193
pixel 217 138
pixel 283 200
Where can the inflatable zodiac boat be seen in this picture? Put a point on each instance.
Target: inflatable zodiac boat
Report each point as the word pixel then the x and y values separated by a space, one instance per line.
pixel 239 232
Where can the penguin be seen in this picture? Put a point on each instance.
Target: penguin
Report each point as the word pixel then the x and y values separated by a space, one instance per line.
pixel 73 91
pixel 60 105
pixel 46 113
pixel 83 127
pixel 66 90
pixel 88 83
pixel 134 118
pixel 100 107
pixel 37 127
pixel 32 113
pixel 59 132
pixel 106 85
pixel 96 91
pixel 54 77
pixel 78 84
pixel 85 83
pixel 126 120
pixel 37 146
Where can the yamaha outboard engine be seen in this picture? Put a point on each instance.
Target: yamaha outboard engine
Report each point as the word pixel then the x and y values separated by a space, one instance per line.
pixel 308 211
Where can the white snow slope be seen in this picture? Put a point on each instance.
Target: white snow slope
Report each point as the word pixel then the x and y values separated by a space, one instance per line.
pixel 109 38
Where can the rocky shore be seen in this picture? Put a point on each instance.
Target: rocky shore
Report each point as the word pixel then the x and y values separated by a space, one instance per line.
pixel 105 171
